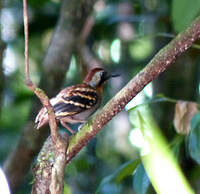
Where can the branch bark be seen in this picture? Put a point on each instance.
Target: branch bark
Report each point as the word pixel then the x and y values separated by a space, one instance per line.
pixel 162 60
pixel 56 63
pixel 44 170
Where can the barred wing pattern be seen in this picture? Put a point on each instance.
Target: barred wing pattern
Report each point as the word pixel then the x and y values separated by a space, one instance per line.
pixel 75 100
pixel 69 102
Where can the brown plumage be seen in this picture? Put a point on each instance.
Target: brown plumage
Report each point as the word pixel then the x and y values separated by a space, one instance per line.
pixel 75 104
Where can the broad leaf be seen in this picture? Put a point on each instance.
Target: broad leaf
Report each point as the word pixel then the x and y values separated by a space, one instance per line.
pixel 141 181
pixel 122 172
pixel 194 138
pixel 183 12
pixel 176 145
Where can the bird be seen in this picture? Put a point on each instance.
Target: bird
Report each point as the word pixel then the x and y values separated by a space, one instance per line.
pixel 76 103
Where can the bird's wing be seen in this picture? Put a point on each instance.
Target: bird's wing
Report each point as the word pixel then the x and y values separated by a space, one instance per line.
pixel 74 99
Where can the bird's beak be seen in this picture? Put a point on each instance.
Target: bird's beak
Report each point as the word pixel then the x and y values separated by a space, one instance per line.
pixel 107 76
pixel 114 75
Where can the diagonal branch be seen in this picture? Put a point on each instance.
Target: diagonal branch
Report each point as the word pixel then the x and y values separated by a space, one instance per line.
pixel 162 60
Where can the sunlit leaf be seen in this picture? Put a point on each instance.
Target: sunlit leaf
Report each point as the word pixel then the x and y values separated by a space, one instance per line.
pixel 194 138
pixel 115 48
pixel 184 111
pixel 122 172
pixel 141 181
pixel 159 163
pixel 142 48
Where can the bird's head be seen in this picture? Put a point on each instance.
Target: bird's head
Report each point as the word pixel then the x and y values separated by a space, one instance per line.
pixel 97 77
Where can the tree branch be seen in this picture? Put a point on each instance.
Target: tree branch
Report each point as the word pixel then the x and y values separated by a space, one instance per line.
pixel 162 60
pixel 44 168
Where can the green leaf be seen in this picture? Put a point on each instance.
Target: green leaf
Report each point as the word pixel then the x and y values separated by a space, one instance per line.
pixel 141 181
pixel 122 172
pixel 194 138
pixel 176 145
pixel 183 12
pixel 159 162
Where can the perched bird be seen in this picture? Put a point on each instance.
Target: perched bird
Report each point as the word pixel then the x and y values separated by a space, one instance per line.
pixel 76 103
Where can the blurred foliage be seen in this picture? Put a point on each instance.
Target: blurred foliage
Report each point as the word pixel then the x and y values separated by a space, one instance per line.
pixel 180 8
pixel 125 36
pixel 122 172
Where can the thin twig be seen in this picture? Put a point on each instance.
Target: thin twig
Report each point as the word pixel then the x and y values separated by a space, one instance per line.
pixel 39 93
pixel 60 144
pixel 26 42
pixel 87 28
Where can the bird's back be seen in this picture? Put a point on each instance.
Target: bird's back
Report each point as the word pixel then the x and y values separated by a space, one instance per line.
pixel 71 101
